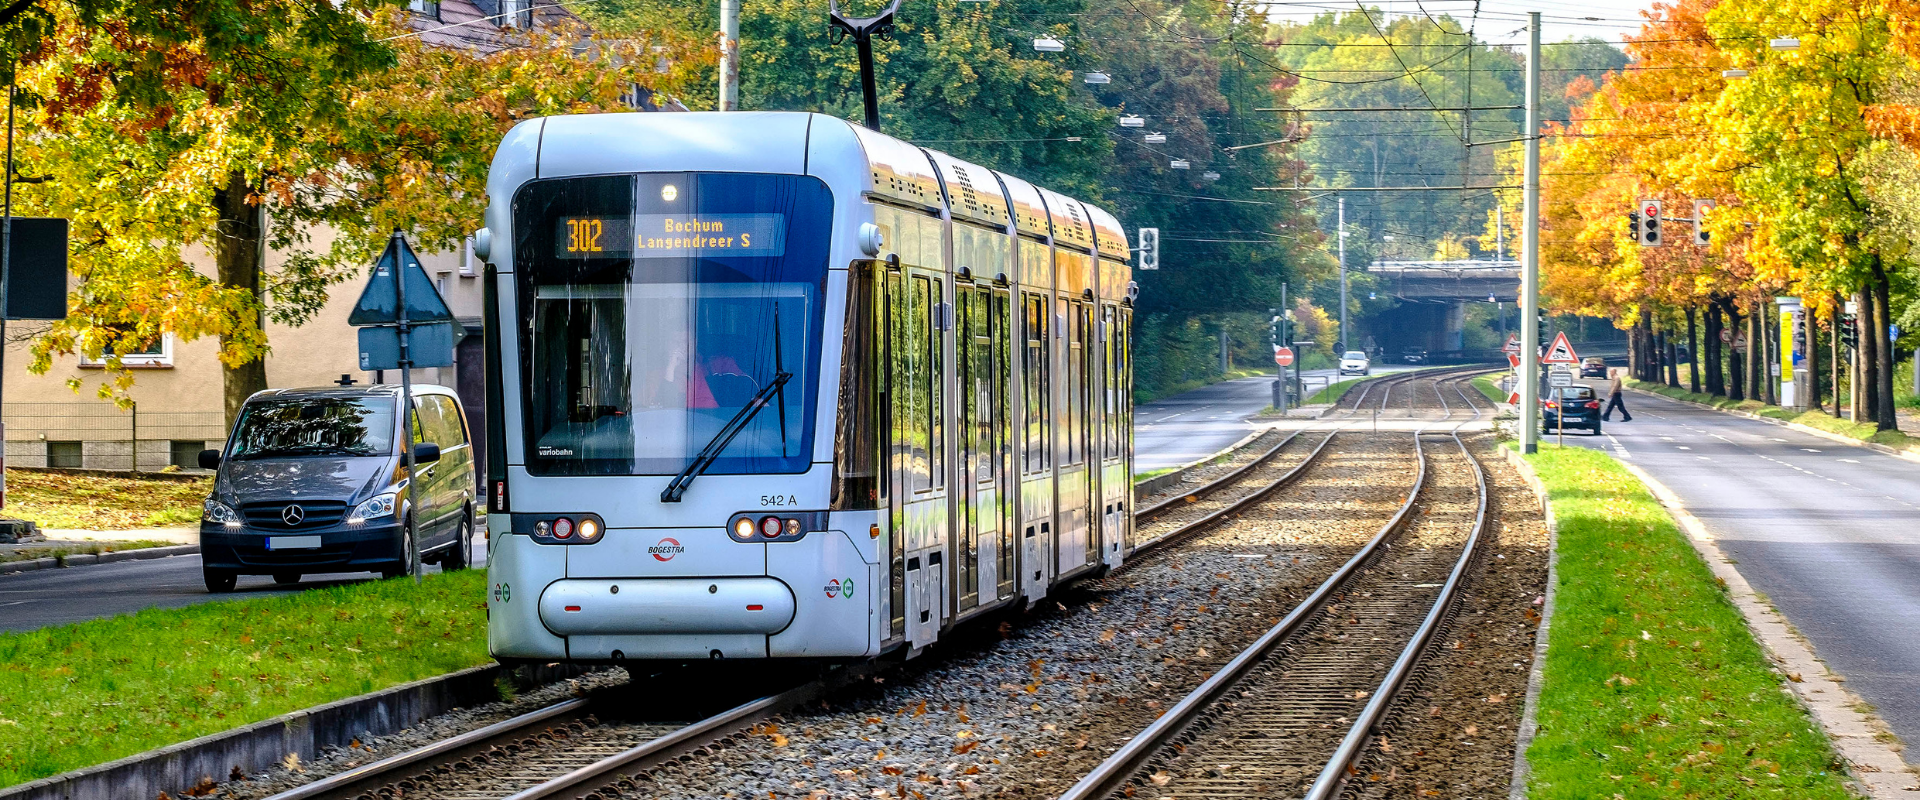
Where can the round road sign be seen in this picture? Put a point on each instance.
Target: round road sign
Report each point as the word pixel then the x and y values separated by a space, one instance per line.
pixel 1283 356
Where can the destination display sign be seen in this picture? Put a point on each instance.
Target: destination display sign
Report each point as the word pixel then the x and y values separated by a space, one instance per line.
pixel 670 236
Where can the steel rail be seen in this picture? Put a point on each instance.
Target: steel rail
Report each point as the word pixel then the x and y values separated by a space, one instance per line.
pixel 590 779
pixel 1217 484
pixel 1113 773
pixel 1333 777
pixel 1236 506
pixel 411 763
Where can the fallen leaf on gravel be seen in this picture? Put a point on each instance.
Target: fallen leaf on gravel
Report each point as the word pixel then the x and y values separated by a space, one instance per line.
pixel 1498 698
pixel 779 741
pixel 972 769
pixel 847 773
pixel 1033 687
pixel 966 747
pixel 1203 609
pixel 1385 748
pixel 1434 711
pixel 921 709
pixel 1471 730
pixel 1081 744
pixel 1794 676
pixel 1041 753
pixel 963 715
pixel 1191 498
pixel 880 755
pixel 874 720
pixel 1160 778
pixel 1221 575
pixel 1361 694
pixel 1009 687
pixel 1200 653
pixel 1106 635
pixel 892 770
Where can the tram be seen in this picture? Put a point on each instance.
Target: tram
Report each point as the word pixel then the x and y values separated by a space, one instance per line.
pixel 773 385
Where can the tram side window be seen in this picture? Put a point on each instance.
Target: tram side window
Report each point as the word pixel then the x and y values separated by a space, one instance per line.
pixel 913 391
pixel 1035 381
pixel 857 481
pixel 935 369
pixel 1110 355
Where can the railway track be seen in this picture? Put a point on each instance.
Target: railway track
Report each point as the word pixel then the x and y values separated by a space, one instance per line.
pixel 1291 713
pixel 587 747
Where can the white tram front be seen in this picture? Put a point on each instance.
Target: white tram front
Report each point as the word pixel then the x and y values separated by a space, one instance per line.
pixel 771 385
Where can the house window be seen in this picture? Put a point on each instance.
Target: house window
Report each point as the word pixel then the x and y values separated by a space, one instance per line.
pixel 516 13
pixel 467 266
pixel 63 455
pixel 428 8
pixel 184 454
pixel 158 354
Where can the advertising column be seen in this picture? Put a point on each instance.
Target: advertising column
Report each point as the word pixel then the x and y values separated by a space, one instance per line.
pixel 1792 367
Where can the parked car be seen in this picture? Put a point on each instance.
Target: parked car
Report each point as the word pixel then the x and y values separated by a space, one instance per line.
pixel 1414 355
pixel 312 481
pixel 1594 367
pixel 1355 362
pixel 1578 405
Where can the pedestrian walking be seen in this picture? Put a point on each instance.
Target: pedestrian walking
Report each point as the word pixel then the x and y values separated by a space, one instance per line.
pixel 1614 393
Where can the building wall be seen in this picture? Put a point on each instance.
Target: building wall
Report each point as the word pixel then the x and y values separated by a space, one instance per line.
pixel 183 401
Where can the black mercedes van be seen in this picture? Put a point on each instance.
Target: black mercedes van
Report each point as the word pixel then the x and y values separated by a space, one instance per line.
pixel 312 481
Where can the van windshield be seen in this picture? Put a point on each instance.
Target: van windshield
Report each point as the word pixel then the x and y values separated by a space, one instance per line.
pixel 314 426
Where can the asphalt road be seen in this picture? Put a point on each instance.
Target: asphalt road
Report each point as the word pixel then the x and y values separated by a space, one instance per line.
pixel 1829 532
pixel 30 600
pixel 1168 433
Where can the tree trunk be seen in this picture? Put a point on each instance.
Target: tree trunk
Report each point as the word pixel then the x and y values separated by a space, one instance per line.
pixel 1736 371
pixel 1672 353
pixel 1649 354
pixel 1716 372
pixel 1883 350
pixel 1752 356
pixel 1837 358
pixel 1769 355
pixel 1812 327
pixel 1867 363
pixel 237 257
pixel 1693 353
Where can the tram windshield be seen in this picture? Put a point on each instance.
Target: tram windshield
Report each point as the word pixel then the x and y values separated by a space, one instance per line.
pixel 655 307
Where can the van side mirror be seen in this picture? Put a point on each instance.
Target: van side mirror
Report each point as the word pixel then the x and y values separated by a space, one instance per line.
pixel 209 459
pixel 426 453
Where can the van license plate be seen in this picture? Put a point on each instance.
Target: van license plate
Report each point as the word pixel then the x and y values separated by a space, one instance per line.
pixel 293 542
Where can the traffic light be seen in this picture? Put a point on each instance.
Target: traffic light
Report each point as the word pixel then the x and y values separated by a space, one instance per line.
pixel 1633 224
pixel 1849 330
pixel 1276 327
pixel 1649 231
pixel 1700 235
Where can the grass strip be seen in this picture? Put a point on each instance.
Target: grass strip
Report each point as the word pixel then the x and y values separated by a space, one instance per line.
pixel 1487 387
pixel 77 695
pixel 30 552
pixel 1654 685
pixel 1333 392
pixel 1819 420
pixel 104 502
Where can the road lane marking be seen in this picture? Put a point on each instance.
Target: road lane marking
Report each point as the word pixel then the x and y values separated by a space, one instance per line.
pixel 1808 449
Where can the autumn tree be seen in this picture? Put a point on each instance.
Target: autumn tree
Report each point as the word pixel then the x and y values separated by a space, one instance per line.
pixel 249 126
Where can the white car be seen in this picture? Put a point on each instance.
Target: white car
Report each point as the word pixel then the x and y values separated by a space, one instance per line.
pixel 1355 363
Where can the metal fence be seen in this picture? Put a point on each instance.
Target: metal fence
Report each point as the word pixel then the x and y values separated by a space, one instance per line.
pixel 98 435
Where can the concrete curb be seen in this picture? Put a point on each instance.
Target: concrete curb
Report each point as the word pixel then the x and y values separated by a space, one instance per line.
pixel 254 748
pixel 1828 435
pixel 1536 676
pixel 84 559
pixel 1159 483
pixel 1860 738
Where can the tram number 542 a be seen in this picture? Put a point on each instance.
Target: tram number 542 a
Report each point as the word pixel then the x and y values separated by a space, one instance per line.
pixel 778 500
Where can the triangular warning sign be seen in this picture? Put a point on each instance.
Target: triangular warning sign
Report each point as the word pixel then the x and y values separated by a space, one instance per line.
pixel 1512 345
pixel 378 302
pixel 1561 352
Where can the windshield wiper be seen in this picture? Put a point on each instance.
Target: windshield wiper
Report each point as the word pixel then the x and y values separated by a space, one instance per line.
pixel 720 440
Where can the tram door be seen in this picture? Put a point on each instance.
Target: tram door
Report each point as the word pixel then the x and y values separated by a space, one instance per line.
pixel 1115 487
pixel 918 500
pixel 981 547
pixel 1077 496
pixel 1036 446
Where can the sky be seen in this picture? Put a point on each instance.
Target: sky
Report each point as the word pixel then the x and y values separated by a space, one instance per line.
pixel 1503 21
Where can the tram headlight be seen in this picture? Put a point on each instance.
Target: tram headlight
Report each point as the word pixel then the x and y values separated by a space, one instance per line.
pixel 743 529
pixel 589 530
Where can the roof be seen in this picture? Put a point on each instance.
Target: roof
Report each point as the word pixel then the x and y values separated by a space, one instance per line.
pixel 477 25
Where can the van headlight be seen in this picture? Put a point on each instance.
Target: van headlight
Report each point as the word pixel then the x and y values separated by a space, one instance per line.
pixel 380 505
pixel 214 511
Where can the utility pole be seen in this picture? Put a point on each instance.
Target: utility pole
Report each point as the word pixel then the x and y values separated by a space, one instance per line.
pixel 1343 273
pixel 1499 230
pixel 1530 253
pixel 729 55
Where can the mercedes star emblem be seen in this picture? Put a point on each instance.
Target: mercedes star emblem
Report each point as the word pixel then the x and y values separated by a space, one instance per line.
pixel 292 515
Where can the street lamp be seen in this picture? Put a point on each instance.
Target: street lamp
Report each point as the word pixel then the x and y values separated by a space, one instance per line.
pixel 1156 138
pixel 1097 78
pixel 1733 74
pixel 1131 121
pixel 1048 44
pixel 1181 163
pixel 1210 175
pixel 1785 43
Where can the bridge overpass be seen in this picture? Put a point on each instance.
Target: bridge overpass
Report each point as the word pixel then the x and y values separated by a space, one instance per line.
pixel 1435 295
